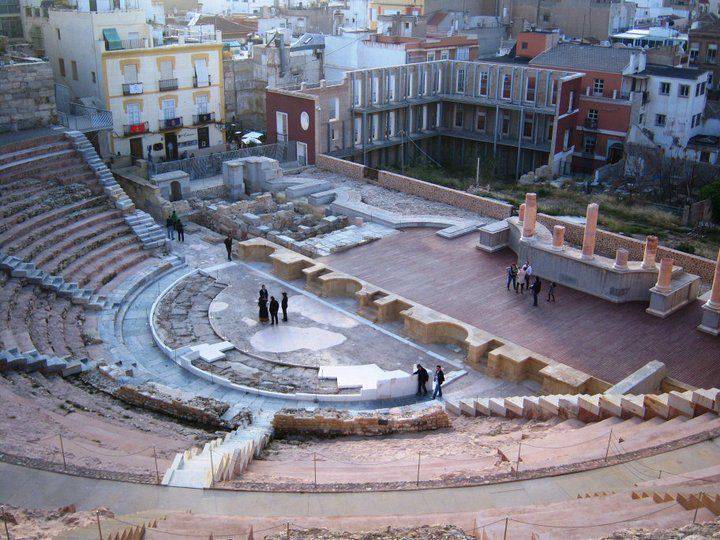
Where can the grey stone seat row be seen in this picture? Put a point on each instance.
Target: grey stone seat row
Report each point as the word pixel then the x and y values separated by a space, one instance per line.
pixel 32 360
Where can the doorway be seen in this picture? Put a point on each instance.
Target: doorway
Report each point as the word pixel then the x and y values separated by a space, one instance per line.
pixel 302 154
pixel 171 151
pixel 203 135
pixel 136 148
pixel 175 191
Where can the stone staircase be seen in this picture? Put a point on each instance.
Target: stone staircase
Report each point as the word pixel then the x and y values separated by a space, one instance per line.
pixel 592 408
pixel 13 359
pixel 84 297
pixel 219 460
pixel 150 233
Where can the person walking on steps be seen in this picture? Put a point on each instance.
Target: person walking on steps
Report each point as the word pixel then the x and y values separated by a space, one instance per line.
pixel 439 379
pixel 180 229
pixel 284 305
pixel 274 307
pixel 170 226
pixel 536 286
pixel 228 246
pixel 551 291
pixel 422 379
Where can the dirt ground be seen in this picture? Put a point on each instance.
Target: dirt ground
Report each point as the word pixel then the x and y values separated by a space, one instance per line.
pixel 98 431
pixel 24 524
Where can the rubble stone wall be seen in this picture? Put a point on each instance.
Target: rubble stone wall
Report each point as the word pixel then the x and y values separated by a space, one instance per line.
pixel 331 423
pixel 27 96
pixel 607 243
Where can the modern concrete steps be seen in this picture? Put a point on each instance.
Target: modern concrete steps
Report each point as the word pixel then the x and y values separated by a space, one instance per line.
pixel 219 460
pixel 20 269
pixel 150 233
pixel 31 360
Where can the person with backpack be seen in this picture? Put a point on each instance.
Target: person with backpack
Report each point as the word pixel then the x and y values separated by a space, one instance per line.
pixel 439 379
pixel 423 378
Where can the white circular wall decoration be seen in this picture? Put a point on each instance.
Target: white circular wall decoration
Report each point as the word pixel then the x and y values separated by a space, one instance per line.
pixel 304 120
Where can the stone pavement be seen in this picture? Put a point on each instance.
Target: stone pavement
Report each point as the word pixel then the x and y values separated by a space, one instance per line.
pixel 33 488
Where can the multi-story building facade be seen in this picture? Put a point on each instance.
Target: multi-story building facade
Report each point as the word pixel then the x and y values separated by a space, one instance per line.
pixel 704 42
pixel 166 101
pixel 10 19
pixel 609 102
pixel 523 116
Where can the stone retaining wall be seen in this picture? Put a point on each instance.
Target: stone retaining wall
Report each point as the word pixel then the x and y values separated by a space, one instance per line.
pixel 413 186
pixel 331 423
pixel 607 243
pixel 27 96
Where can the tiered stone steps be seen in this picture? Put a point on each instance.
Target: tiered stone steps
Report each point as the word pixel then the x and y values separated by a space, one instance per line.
pixel 150 233
pixel 32 360
pixel 195 468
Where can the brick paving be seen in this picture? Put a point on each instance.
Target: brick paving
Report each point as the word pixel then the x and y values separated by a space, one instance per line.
pixel 606 340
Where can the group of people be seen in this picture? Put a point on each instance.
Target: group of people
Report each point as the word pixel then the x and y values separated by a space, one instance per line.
pixel 523 279
pixel 423 377
pixel 174 224
pixel 270 312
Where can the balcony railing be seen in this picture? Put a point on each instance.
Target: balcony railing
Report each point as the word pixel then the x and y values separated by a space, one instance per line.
pixel 590 123
pixel 132 89
pixel 83 118
pixel 201 83
pixel 136 129
pixel 167 84
pixel 170 123
pixel 204 118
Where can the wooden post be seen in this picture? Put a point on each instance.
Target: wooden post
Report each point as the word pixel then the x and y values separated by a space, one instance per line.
pixel 157 472
pixel 315 468
pixel 4 517
pixel 607 449
pixel 477 173
pixel 212 470
pixel 700 498
pixel 506 528
pixel 62 451
pixel 517 465
pixel 287 530
pixel 97 518
pixel 417 480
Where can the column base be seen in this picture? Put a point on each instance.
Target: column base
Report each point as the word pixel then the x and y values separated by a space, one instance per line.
pixel 619 268
pixel 587 257
pixel 710 321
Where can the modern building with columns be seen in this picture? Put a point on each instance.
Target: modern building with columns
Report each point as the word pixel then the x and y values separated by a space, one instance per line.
pixel 440 110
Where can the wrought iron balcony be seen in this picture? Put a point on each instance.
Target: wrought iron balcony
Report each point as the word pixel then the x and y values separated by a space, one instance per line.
pixel 136 129
pixel 132 89
pixel 204 118
pixel 167 84
pixel 170 123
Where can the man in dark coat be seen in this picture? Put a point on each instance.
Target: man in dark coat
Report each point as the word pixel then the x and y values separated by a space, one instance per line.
pixel 170 226
pixel 284 305
pixel 536 286
pixel 423 378
pixel 264 292
pixel 274 307
pixel 228 246
pixel 439 380
pixel 180 228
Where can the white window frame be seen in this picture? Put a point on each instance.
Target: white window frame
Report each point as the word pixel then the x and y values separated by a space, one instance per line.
pixel 460 81
pixel 459 109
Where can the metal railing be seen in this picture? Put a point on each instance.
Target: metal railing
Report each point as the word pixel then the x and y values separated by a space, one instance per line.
pixel 84 118
pixel 167 84
pixel 132 89
pixel 170 123
pixel 204 118
pixel 201 84
pixel 211 164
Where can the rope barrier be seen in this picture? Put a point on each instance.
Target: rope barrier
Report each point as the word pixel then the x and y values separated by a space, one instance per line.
pixel 204 535
pixel 603 436
pixel 107 454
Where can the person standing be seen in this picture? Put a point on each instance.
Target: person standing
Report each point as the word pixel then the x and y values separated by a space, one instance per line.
pixel 520 283
pixel 284 305
pixel 528 274
pixel 551 291
pixel 536 286
pixel 262 309
pixel 264 292
pixel 511 276
pixel 228 246
pixel 439 379
pixel 170 226
pixel 180 229
pixel 274 307
pixel 422 380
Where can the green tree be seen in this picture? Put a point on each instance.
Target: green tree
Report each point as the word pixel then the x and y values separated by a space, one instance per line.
pixel 712 191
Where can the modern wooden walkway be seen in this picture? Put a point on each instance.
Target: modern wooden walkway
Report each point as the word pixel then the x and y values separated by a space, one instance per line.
pixel 607 340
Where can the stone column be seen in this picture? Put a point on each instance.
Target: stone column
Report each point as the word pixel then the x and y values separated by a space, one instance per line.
pixel 558 237
pixel 591 217
pixel 665 275
pixel 714 301
pixel 621 259
pixel 521 213
pixel 651 246
pixel 528 230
